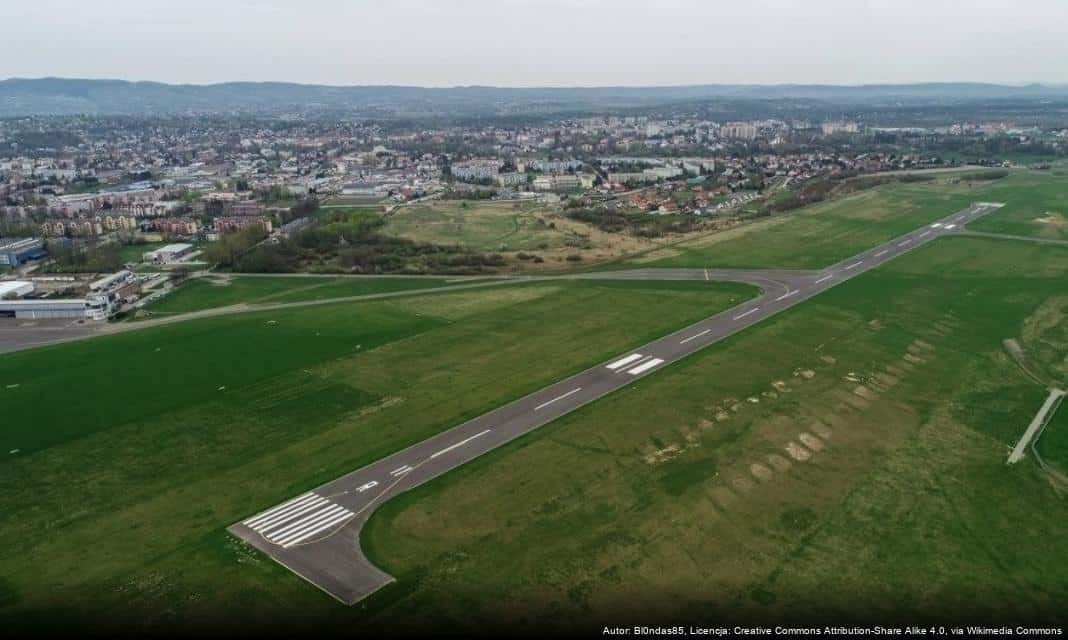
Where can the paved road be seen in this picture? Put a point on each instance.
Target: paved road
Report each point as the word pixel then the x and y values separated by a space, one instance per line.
pixel 1052 401
pixel 316 534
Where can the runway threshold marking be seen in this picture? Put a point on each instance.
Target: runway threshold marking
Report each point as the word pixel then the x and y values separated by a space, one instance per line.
pixel 622 362
pixel 459 444
pixel 747 313
pixel 276 509
pixel 278 517
pixel 824 278
pixel 788 294
pixel 560 397
pixel 695 336
pixel 642 368
pixel 855 264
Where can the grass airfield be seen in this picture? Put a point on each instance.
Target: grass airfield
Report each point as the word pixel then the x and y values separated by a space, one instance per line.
pixel 845 458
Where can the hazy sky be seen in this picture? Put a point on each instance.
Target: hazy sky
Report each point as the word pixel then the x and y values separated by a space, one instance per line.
pixel 538 42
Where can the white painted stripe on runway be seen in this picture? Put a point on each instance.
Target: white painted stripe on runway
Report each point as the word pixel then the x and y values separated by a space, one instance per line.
pixel 750 312
pixel 925 233
pixel 284 513
pixel 646 366
pixel 695 336
pixel 901 244
pixel 855 264
pixel 937 225
pixel 458 444
pixel 282 519
pixel 622 362
pixel 882 253
pixel 309 523
pixel 545 404
pixel 309 519
pixel 951 226
pixel 367 485
pixel 825 278
pixel 399 471
pixel 336 520
pixel 272 510
pixel 788 294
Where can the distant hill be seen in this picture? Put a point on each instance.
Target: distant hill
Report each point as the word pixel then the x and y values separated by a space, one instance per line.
pixel 62 96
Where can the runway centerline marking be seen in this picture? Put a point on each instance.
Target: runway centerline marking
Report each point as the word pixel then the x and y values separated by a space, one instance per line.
pixel 750 312
pixel 824 278
pixel 695 336
pixel 459 444
pixel 882 253
pixel 855 264
pixel 901 244
pixel 788 294
pixel 622 362
pixel 925 233
pixel 560 397
pixel 642 368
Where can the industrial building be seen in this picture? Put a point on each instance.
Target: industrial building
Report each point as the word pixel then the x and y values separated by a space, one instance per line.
pixel 90 308
pixel 168 254
pixel 15 289
pixel 14 252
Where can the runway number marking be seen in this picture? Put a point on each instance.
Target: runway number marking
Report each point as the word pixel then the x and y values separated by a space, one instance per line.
pixel 370 485
pixel 560 397
pixel 458 444
pixel 400 471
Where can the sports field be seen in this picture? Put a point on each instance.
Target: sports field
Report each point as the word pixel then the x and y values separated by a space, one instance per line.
pixel 846 456
pixel 116 499
pixel 225 290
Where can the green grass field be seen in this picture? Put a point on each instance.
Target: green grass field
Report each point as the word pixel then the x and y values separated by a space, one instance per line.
pixel 116 502
pixel 843 459
pixel 1036 204
pixel 481 226
pixel 1053 445
pixel 824 233
pixel 207 293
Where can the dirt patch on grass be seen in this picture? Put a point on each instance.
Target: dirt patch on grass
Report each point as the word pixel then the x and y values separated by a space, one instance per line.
pixel 811 441
pixel 822 430
pixel 760 472
pixel 797 452
pixel 779 463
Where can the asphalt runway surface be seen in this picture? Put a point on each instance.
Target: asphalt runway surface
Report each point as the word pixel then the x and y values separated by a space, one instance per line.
pixel 316 534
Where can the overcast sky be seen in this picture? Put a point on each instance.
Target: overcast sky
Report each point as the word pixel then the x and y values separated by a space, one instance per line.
pixel 538 42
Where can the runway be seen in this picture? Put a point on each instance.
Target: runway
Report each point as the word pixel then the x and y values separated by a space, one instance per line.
pixel 316 534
